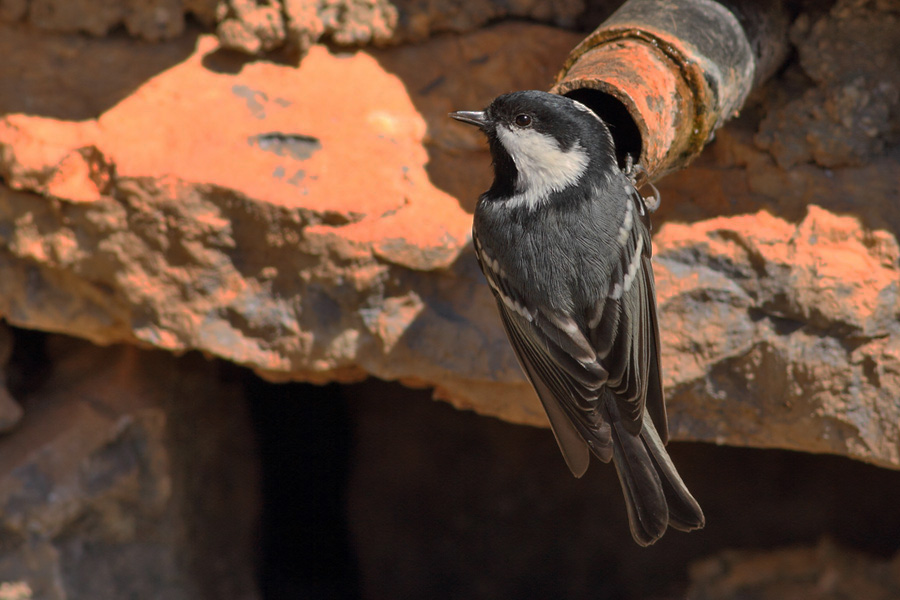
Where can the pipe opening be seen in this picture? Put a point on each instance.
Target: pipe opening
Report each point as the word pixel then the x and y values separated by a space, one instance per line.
pixel 624 130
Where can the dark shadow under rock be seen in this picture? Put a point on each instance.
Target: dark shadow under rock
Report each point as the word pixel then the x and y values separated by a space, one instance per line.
pixel 447 504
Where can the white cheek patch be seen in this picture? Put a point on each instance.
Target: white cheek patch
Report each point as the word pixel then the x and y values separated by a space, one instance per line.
pixel 543 167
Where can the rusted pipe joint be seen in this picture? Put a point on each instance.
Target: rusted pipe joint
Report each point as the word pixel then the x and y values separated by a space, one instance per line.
pixel 665 74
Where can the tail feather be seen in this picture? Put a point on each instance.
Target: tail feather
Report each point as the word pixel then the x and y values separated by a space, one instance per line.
pixel 655 495
pixel 685 513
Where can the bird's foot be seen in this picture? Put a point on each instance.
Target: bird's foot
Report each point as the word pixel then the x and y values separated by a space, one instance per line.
pixel 637 174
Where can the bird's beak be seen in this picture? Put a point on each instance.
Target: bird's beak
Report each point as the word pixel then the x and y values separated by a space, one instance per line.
pixel 472 117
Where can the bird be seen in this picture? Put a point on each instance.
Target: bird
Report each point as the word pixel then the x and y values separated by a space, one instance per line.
pixel 562 237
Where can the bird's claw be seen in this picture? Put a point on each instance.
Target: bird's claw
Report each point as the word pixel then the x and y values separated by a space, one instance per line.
pixel 634 172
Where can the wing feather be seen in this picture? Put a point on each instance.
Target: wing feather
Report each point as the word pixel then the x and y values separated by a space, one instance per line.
pixel 616 346
pixel 656 400
pixel 628 328
pixel 559 392
pixel 549 388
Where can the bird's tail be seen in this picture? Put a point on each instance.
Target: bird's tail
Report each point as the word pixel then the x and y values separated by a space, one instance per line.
pixel 655 495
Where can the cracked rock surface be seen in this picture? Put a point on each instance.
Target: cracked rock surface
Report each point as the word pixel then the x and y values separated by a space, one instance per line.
pixel 292 27
pixel 312 223
pixel 128 471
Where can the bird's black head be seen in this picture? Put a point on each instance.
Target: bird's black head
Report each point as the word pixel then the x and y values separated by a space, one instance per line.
pixel 541 143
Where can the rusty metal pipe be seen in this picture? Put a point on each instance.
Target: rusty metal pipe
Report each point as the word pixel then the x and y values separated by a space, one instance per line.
pixel 665 74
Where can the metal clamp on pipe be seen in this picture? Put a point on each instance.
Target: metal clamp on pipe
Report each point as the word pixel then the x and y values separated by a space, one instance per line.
pixel 665 74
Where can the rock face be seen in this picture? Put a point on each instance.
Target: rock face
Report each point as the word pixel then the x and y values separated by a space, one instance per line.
pixel 313 223
pixel 130 470
pixel 786 574
pixel 276 242
pixel 802 348
pixel 10 411
pixel 156 20
pixel 310 221
pixel 293 26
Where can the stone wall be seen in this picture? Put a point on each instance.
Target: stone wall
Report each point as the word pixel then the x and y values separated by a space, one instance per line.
pixel 276 185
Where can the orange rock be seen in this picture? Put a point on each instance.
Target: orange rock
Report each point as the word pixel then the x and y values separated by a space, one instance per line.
pixel 312 223
pixel 776 334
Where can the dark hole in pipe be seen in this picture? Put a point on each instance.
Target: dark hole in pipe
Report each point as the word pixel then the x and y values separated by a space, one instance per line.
pixel 624 130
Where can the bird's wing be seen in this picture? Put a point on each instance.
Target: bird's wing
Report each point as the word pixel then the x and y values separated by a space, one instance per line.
pixel 624 330
pixel 565 387
pixel 568 365
pixel 561 364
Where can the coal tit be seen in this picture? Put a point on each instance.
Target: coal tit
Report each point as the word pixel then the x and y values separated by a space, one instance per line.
pixel 563 239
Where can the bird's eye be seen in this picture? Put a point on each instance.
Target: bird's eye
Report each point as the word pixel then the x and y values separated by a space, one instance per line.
pixel 523 120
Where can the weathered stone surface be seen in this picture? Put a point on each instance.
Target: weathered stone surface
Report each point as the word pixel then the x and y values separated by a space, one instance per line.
pixel 419 19
pixel 130 470
pixel 783 334
pixel 260 26
pixel 156 20
pixel 298 221
pixel 274 240
pixel 253 27
pixel 823 572
pixel 75 78
pixel 10 411
pixel 849 114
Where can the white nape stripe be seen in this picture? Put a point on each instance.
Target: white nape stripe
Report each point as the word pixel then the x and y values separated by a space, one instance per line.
pixel 584 108
pixel 542 166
